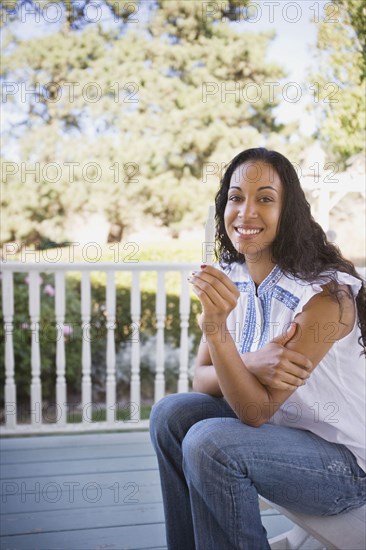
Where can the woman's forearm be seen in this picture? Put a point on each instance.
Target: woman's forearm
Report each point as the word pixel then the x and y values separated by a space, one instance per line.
pixel 205 380
pixel 247 359
pixel 245 394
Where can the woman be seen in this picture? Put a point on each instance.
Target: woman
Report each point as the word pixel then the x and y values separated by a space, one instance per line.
pixel 278 406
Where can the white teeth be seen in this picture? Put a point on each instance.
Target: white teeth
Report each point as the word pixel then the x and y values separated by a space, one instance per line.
pixel 248 231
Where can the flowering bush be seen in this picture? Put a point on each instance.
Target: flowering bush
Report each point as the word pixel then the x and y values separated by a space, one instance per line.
pixel 72 333
pixel 49 290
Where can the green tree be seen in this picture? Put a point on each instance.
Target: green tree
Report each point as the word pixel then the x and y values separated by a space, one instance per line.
pixel 339 83
pixel 356 10
pixel 132 113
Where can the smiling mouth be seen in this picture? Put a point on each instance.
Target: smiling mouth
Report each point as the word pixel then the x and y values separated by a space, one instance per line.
pixel 242 231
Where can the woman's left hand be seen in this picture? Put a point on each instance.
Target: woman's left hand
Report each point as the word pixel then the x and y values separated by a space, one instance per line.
pixel 216 292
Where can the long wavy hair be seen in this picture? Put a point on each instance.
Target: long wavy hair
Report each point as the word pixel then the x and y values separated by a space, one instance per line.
pixel 301 248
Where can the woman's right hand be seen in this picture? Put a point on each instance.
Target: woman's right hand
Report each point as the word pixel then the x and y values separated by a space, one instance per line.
pixel 278 367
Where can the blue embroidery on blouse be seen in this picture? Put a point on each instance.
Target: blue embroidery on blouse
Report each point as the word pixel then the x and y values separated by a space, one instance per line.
pixel 270 281
pixel 267 290
pixel 266 302
pixel 289 300
pixel 242 286
pixel 249 327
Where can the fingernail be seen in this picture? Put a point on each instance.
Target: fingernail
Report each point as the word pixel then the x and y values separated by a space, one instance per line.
pixel 203 266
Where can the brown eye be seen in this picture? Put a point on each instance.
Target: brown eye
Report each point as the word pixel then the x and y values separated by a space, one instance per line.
pixel 234 198
pixel 266 199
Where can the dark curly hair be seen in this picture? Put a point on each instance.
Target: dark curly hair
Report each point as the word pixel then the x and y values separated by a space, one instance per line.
pixel 301 248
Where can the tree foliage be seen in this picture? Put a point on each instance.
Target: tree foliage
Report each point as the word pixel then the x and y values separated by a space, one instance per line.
pixel 341 51
pixel 356 10
pixel 124 114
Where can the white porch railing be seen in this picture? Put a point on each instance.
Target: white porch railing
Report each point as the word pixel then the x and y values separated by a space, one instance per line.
pixel 37 425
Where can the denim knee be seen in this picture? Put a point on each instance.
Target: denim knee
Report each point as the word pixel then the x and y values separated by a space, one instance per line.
pixel 203 445
pixel 192 447
pixel 158 415
pixel 164 411
pixel 198 446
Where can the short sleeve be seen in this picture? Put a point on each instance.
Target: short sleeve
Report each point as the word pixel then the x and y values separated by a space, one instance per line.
pixel 311 289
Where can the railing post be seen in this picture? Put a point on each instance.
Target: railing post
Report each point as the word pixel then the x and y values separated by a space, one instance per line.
pixel 135 346
pixel 111 349
pixel 160 323
pixel 60 347
pixel 184 307
pixel 86 347
pixel 61 424
pixel 8 313
pixel 34 312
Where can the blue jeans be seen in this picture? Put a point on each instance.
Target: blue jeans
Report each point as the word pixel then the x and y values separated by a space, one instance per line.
pixel 212 467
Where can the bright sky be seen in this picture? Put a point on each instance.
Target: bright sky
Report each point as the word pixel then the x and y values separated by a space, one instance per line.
pixel 293 46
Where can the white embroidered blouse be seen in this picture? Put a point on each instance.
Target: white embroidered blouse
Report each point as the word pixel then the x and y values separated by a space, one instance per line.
pixel 332 404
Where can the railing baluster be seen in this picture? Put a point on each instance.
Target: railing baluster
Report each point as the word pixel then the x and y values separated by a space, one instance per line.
pixel 160 323
pixel 11 425
pixel 184 308
pixel 86 347
pixel 111 349
pixel 34 312
pixel 8 313
pixel 60 347
pixel 135 351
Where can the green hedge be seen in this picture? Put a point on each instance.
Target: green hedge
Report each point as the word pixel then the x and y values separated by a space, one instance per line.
pixel 73 345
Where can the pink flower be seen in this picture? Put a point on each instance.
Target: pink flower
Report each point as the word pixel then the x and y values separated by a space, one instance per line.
pixel 68 330
pixel 49 290
pixel 26 280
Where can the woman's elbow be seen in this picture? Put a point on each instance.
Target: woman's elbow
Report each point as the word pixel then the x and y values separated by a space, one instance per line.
pixel 198 384
pixel 254 423
pixel 250 420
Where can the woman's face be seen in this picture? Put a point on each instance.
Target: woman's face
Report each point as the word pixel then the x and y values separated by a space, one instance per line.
pixel 253 209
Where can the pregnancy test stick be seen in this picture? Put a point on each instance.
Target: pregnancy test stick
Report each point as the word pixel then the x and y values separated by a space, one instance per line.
pixel 209 244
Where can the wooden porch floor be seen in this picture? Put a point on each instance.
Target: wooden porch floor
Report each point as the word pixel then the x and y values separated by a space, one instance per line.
pixel 93 491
